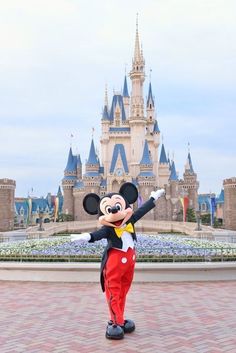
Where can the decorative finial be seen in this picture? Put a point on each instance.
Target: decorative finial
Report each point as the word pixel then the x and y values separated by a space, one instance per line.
pixel 125 69
pixel 71 139
pixel 162 139
pixel 93 131
pixel 188 147
pixel 137 22
pixel 106 96
pixel 150 75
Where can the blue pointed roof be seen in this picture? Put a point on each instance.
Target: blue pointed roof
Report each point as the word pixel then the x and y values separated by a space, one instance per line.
pixel 117 99
pixel 150 99
pixel 173 174
pixel 190 163
pixel 59 193
pixel 221 197
pixel 79 163
pixel 71 162
pixel 146 155
pixel 156 128
pixel 92 155
pixel 105 114
pixel 125 89
pixel 163 159
pixel 119 150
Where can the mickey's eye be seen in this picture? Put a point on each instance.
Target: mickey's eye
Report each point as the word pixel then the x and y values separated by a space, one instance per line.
pixel 118 206
pixel 108 209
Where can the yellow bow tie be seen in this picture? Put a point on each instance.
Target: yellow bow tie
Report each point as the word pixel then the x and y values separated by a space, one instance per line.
pixel 129 228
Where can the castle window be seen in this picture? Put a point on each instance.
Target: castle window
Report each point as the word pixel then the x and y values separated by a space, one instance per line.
pixel 150 106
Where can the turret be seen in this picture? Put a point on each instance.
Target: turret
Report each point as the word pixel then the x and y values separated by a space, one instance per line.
pixel 68 182
pixel 164 172
pixel 150 108
pixel 146 177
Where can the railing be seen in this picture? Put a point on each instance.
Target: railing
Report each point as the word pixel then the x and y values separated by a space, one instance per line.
pixel 165 255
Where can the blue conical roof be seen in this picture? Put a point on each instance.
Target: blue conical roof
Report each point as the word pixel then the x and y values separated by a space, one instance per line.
pixel 71 162
pixel 105 114
pixel 150 99
pixel 79 163
pixel 173 174
pixel 156 128
pixel 92 155
pixel 146 156
pixel 163 158
pixel 125 89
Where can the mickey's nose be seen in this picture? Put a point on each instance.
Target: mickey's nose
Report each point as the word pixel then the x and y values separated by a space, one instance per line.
pixel 114 209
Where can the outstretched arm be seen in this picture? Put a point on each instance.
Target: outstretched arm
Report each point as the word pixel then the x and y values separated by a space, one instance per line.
pixel 148 205
pixel 90 237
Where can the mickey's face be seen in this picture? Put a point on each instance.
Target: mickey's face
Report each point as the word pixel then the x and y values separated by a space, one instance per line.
pixel 114 210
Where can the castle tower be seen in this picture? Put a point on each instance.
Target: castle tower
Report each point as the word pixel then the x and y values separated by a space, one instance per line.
pixel 190 184
pixel 105 134
pixel 164 171
pixel 68 182
pixel 146 177
pixel 7 204
pixel 137 120
pixel 92 177
pixel 150 108
pixel 229 203
pixel 174 193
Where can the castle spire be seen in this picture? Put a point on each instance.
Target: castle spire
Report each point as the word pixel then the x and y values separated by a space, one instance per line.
pixel 173 174
pixel 146 155
pixel 163 159
pixel 125 88
pixel 71 162
pixel 137 51
pixel 92 155
pixel 150 100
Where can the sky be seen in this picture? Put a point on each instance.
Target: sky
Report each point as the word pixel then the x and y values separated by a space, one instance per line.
pixel 56 56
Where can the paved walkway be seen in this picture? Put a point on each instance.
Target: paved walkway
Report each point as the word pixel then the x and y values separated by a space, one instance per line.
pixel 71 318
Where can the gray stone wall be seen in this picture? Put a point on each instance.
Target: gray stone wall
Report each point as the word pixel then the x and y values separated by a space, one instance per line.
pixel 230 203
pixel 7 208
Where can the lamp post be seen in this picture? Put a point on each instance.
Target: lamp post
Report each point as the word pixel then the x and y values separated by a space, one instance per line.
pixel 41 220
pixel 198 215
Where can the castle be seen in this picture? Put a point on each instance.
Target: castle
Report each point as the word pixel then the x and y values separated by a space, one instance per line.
pixel 130 152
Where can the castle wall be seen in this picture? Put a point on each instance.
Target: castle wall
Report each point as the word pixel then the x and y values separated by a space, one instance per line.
pixel 230 203
pixel 7 207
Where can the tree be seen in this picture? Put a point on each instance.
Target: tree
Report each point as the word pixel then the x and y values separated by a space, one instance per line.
pixel 190 215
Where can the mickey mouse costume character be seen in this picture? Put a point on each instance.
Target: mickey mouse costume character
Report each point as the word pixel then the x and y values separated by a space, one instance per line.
pixel 118 261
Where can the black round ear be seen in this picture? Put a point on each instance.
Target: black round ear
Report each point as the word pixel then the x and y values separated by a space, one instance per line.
pixel 129 191
pixel 91 203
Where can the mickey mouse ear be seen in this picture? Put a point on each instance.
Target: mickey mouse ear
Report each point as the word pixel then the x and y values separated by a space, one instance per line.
pixel 91 203
pixel 129 191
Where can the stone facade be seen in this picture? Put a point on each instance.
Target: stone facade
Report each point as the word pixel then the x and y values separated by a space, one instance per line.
pixel 130 146
pixel 7 208
pixel 230 203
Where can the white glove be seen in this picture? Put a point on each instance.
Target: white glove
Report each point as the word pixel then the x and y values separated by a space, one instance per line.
pixel 157 194
pixel 80 237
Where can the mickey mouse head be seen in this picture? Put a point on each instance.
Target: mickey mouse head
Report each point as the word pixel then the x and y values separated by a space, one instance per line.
pixel 114 208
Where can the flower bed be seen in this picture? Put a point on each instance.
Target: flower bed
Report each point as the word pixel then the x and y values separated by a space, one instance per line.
pixel 158 248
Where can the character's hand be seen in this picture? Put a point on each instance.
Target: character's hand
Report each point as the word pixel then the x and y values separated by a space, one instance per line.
pixel 157 194
pixel 80 237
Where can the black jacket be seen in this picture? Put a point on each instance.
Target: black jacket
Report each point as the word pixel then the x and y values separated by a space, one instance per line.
pixel 113 241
